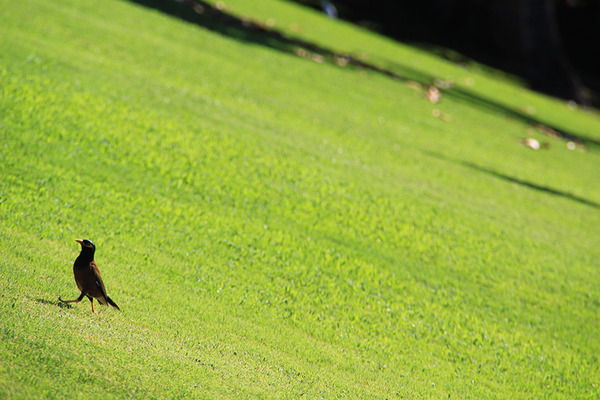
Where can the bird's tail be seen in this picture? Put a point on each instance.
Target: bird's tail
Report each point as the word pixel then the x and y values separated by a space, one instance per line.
pixel 112 303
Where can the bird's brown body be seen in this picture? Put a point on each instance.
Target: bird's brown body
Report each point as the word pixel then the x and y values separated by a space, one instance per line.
pixel 88 278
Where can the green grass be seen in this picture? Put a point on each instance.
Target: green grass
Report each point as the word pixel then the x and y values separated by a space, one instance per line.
pixel 273 227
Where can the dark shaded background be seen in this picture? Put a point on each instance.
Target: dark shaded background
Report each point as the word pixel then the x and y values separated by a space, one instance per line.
pixel 218 19
pixel 553 44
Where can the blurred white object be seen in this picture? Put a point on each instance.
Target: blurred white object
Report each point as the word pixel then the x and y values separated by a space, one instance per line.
pixel 329 9
pixel 531 143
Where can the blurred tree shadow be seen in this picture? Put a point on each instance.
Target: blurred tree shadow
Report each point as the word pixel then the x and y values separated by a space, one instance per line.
pixel 511 179
pixel 207 16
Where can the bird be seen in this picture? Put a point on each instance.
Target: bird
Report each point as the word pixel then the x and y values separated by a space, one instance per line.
pixel 87 277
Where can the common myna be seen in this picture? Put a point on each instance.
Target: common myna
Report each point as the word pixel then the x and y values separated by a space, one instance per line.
pixel 87 277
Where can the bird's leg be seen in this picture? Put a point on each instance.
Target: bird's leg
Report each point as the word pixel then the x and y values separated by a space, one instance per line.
pixel 92 301
pixel 72 301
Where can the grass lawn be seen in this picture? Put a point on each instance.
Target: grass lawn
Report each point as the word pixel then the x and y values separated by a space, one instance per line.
pixel 277 222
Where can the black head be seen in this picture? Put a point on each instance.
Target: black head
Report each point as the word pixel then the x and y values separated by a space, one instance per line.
pixel 86 245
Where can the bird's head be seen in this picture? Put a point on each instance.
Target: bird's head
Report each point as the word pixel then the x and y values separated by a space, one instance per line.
pixel 86 244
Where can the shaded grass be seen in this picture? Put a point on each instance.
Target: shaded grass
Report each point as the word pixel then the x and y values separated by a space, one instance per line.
pixel 274 227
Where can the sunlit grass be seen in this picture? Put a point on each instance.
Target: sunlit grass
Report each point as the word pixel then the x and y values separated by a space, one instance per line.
pixel 274 227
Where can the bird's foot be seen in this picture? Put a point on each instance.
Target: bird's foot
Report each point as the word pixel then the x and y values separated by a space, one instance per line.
pixel 68 301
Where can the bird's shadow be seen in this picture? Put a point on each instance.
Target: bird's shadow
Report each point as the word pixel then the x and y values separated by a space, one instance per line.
pixel 56 303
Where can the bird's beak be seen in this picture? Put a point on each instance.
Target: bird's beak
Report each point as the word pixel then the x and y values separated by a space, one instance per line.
pixel 79 241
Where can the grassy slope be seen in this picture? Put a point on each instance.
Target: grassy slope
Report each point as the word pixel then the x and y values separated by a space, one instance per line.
pixel 273 227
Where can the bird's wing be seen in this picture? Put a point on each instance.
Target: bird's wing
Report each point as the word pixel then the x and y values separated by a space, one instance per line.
pixel 98 277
